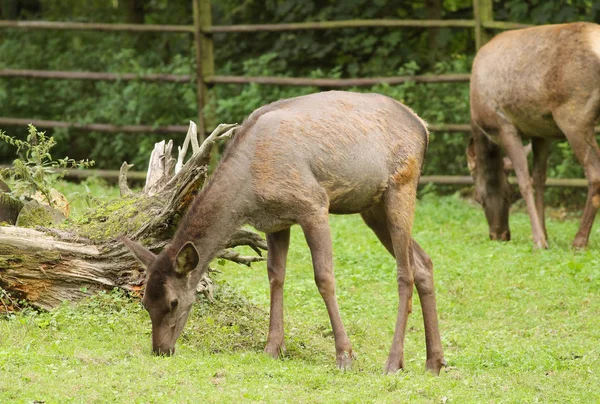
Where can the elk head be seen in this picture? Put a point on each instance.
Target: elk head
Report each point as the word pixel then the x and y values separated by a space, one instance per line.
pixel 492 189
pixel 170 291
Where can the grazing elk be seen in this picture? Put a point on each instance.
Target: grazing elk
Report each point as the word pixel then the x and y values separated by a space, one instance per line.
pixel 296 161
pixel 541 83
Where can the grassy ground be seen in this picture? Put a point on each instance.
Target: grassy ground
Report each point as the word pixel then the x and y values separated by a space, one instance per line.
pixel 517 326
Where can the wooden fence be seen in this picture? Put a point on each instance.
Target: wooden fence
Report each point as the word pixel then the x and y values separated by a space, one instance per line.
pixel 482 23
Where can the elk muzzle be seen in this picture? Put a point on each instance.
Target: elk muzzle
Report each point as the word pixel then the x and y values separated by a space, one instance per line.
pixel 500 235
pixel 162 351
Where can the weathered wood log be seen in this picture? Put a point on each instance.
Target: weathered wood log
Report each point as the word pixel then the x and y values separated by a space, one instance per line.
pixel 47 266
pixel 38 267
pixel 123 187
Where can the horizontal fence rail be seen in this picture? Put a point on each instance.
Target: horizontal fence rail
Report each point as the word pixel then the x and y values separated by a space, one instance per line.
pixel 99 127
pixel 93 26
pixel 358 82
pixel 467 180
pixel 95 76
pixel 181 129
pixel 425 179
pixel 317 25
pixel 449 127
pixel 108 174
pixel 504 25
pixel 294 26
pixel 274 80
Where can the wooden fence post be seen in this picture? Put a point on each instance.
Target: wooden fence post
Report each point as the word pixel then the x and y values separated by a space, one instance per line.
pixel 483 11
pixel 205 63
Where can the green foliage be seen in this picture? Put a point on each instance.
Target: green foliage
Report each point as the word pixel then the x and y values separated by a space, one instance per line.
pixel 357 52
pixel 35 170
pixel 360 52
pixel 547 12
pixel 517 326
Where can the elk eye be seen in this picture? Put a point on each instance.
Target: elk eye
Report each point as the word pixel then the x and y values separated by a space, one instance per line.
pixel 174 303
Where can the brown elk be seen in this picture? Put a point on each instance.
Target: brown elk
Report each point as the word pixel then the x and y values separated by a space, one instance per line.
pixel 296 161
pixel 541 83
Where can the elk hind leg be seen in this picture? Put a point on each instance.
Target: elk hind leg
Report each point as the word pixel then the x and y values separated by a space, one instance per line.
pixel 423 269
pixel 423 275
pixel 399 201
pixel 579 131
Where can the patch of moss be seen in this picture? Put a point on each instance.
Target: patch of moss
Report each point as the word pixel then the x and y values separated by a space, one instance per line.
pixel 6 261
pixel 113 218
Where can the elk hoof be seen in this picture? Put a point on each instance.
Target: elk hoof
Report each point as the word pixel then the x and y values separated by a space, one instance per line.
pixel 579 243
pixel 344 360
pixel 541 245
pixel 393 366
pixel 434 365
pixel 275 350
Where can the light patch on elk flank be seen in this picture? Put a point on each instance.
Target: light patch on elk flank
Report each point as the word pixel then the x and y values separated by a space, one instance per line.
pixel 596 201
pixel 594 40
pixel 407 172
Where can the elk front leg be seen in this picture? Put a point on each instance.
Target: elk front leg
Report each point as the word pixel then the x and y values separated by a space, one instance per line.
pixel 277 245
pixel 541 151
pixel 318 236
pixel 512 145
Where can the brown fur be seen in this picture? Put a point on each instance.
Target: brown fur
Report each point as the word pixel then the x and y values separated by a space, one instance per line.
pixel 295 162
pixel 540 83
pixel 407 172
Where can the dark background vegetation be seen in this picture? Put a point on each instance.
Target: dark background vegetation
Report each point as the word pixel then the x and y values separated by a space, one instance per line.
pixel 360 52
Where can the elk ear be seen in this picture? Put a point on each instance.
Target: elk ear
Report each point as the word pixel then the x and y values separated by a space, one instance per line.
pixel 187 259
pixel 142 254
pixel 471 156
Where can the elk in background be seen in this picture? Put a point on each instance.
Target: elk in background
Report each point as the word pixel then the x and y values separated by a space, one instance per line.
pixel 540 83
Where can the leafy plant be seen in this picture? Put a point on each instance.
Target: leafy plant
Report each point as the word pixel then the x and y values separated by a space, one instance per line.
pixel 35 170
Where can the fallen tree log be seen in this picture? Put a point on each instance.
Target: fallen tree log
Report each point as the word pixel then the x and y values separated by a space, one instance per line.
pixel 46 266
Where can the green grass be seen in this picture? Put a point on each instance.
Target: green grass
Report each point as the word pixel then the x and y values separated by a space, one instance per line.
pixel 517 326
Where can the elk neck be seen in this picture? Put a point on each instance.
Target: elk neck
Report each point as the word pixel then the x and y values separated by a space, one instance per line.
pixel 217 211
